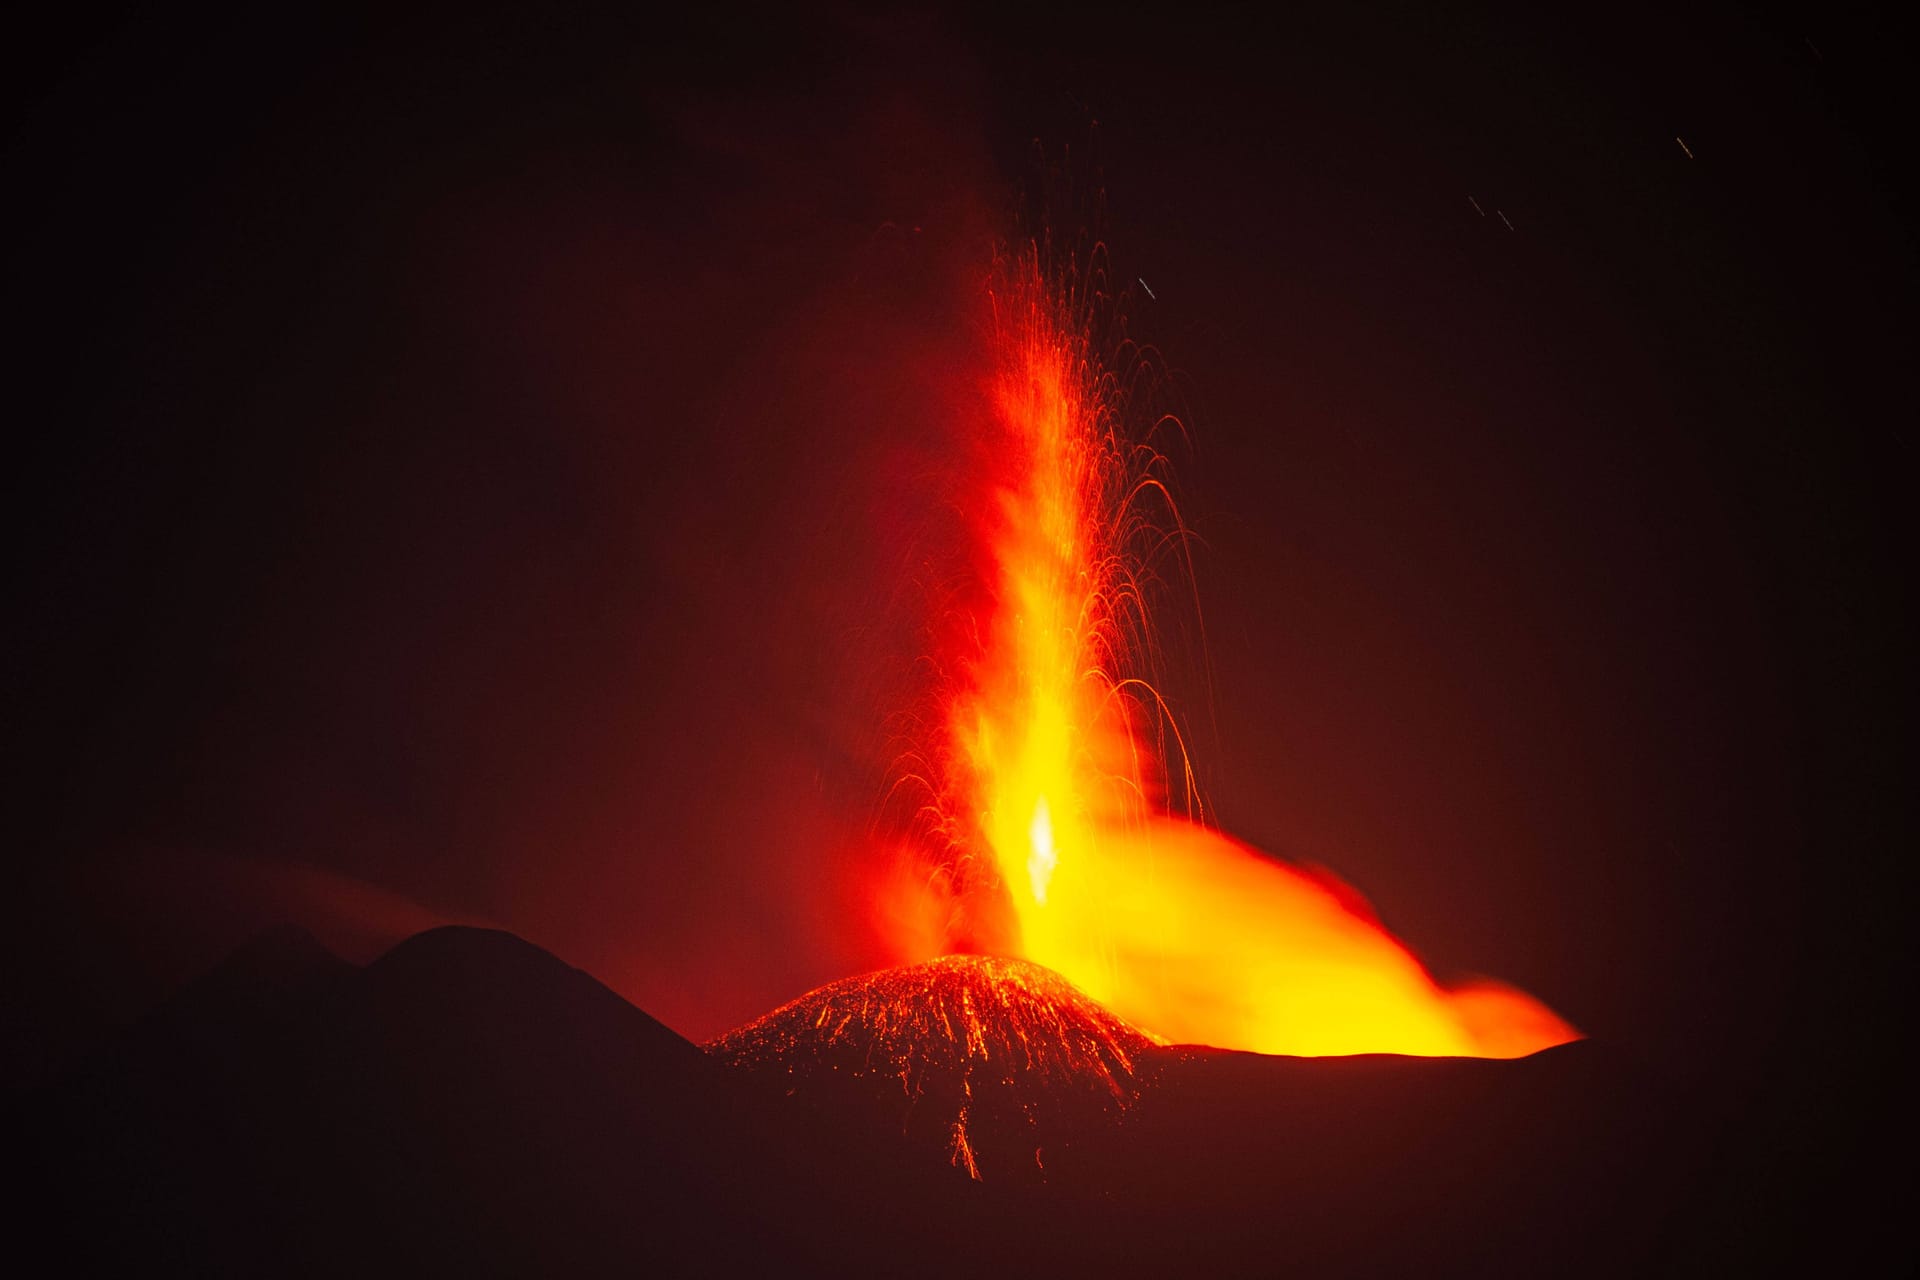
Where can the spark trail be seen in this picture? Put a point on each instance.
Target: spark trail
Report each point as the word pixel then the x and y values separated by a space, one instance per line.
pixel 1057 754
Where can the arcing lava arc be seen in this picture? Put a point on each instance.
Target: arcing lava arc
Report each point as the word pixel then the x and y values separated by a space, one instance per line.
pixel 1048 781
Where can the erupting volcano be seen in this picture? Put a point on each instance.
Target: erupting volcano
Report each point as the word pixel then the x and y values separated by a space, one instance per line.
pixel 1046 785
pixel 770 706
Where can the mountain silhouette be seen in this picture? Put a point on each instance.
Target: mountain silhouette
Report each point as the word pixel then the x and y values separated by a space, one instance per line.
pixel 469 1104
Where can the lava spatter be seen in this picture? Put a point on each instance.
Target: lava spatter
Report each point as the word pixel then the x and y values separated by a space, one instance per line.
pixel 1063 810
pixel 998 1065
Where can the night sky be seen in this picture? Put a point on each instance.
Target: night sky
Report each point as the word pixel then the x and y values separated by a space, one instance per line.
pixel 491 470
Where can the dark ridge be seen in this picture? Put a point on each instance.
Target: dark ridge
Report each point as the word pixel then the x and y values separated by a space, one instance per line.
pixel 251 1007
pixel 284 952
pixel 465 946
pixel 470 1104
pixel 501 979
pixel 281 964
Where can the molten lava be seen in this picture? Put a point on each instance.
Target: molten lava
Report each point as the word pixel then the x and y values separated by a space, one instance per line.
pixel 1052 791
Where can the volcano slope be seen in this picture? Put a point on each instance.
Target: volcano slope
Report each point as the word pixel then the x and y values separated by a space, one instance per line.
pixel 468 1104
pixel 994 1063
pixel 1108 1146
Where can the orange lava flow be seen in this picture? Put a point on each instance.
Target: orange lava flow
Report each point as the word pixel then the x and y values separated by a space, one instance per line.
pixel 1050 770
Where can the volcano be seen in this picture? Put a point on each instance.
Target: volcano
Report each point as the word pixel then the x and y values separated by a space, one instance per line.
pixel 1000 1063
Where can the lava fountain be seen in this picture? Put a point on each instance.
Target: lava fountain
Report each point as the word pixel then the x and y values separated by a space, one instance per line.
pixel 1047 788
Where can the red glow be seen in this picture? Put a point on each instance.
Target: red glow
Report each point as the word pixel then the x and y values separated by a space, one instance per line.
pixel 1051 794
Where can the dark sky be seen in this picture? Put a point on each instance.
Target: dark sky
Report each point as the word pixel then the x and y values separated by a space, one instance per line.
pixel 487 469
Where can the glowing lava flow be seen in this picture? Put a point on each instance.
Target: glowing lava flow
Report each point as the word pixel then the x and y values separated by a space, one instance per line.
pixel 1174 927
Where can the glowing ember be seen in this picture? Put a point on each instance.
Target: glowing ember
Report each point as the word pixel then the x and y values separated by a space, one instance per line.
pixel 994 1061
pixel 1047 770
